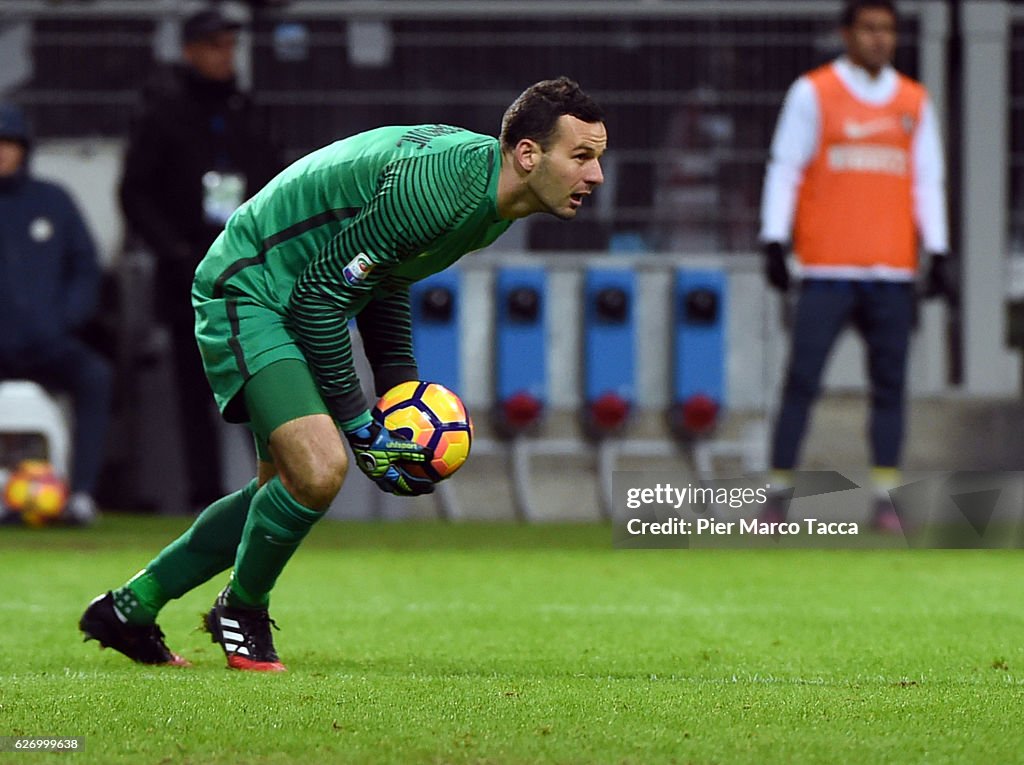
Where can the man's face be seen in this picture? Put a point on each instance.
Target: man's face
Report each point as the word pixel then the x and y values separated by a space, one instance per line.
pixel 12 154
pixel 214 57
pixel 871 39
pixel 570 168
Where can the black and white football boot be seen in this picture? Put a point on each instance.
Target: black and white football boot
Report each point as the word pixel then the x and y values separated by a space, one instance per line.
pixel 244 634
pixel 143 643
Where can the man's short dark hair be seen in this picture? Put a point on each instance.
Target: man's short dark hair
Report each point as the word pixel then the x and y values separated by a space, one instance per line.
pixel 852 9
pixel 534 115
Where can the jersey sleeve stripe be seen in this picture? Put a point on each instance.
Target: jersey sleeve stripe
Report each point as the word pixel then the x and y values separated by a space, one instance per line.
pixel 233 342
pixel 296 229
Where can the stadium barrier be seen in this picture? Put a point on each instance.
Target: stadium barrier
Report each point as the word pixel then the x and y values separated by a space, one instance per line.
pixel 456 343
pixel 435 307
pixel 530 324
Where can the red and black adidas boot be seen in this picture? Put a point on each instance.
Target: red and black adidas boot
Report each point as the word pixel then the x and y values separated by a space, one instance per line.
pixel 244 634
pixel 143 643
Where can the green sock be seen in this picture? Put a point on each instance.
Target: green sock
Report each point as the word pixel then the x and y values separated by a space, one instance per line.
pixel 274 529
pixel 203 551
pixel 140 598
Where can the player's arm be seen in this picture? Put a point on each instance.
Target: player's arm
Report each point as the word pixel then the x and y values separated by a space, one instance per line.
pixel 385 325
pixel 398 223
pixel 793 147
pixel 417 200
pixel 929 190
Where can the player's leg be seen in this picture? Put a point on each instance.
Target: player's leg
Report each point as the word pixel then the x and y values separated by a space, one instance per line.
pixel 822 310
pixel 886 320
pixel 125 618
pixel 312 466
pixel 309 464
pixel 207 548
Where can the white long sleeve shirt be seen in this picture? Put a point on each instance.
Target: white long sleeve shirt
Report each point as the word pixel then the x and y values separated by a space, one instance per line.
pixel 796 142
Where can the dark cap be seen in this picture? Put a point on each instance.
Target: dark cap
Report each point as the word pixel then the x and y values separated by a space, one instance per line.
pixel 13 124
pixel 206 24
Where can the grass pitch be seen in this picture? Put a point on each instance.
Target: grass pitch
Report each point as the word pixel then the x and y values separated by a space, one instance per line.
pixel 434 643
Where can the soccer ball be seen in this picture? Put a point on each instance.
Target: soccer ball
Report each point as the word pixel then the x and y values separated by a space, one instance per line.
pixel 433 417
pixel 36 492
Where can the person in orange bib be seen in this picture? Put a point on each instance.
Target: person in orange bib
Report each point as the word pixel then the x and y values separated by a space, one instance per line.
pixel 856 181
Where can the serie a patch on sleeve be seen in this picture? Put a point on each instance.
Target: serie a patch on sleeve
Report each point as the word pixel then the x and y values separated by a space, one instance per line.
pixel 358 269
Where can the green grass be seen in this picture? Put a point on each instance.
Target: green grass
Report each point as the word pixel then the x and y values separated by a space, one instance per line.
pixel 433 643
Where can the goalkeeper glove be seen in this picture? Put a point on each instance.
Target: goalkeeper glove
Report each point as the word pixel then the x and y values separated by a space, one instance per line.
pixel 776 270
pixel 939 280
pixel 379 455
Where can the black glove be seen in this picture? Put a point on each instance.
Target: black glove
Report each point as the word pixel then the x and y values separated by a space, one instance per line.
pixel 776 270
pixel 939 281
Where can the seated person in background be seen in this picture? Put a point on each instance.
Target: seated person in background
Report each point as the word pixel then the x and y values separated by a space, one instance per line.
pixel 49 282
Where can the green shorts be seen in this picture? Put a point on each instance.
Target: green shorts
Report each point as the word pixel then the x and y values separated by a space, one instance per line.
pixel 257 372
pixel 237 338
pixel 279 393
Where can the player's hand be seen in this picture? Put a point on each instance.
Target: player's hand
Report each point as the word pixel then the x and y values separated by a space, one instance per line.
pixel 939 282
pixel 776 271
pixel 378 452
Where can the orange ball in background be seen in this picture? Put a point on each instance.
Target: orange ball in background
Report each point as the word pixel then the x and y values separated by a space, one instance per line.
pixel 35 491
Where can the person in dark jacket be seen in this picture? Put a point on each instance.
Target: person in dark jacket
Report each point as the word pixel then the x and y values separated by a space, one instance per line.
pixel 197 151
pixel 49 284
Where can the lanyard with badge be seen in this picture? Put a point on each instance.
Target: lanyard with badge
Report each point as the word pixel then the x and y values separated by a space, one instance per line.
pixel 223 189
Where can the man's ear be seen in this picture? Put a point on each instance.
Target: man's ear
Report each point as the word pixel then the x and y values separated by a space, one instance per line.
pixel 527 154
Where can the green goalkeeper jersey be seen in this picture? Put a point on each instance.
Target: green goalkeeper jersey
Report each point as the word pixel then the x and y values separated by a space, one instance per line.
pixel 352 225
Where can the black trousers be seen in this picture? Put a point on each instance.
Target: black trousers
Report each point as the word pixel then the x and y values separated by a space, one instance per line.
pixel 203 463
pixel 883 314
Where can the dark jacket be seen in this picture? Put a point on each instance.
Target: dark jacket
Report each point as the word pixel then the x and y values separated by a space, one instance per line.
pixel 188 127
pixel 49 274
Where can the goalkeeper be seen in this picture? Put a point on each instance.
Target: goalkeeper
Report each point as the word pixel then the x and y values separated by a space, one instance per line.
pixel 341 233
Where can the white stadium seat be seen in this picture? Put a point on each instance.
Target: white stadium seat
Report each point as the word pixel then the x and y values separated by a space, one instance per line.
pixel 26 407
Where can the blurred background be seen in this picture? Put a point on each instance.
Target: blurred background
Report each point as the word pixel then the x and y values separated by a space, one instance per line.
pixel 692 89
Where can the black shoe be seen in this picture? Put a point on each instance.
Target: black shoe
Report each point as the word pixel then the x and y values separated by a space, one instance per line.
pixel 244 634
pixel 143 643
pixel 884 519
pixel 776 507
